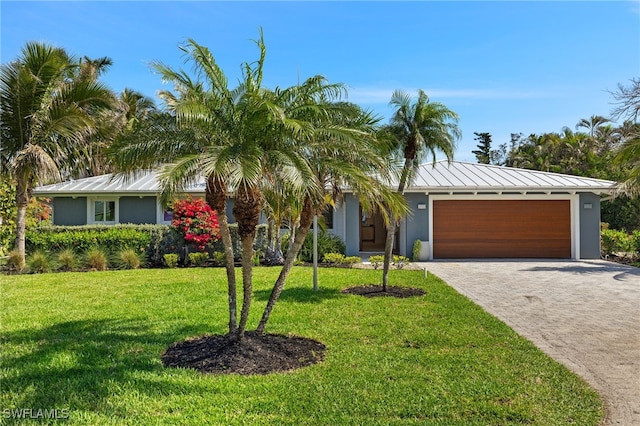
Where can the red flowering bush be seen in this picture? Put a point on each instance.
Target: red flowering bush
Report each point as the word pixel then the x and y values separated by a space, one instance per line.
pixel 195 221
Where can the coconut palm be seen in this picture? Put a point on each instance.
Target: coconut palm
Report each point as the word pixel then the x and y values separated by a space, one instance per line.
pixel 592 124
pixel 417 129
pixel 138 106
pixel 131 107
pixel 48 115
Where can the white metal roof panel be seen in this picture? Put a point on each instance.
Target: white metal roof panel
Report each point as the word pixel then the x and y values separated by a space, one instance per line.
pixel 145 182
pixel 462 176
pixel 442 176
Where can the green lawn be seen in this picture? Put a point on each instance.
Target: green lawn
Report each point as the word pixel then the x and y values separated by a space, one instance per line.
pixel 90 343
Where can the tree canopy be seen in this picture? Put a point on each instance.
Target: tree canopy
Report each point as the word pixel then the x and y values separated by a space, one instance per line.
pixel 52 110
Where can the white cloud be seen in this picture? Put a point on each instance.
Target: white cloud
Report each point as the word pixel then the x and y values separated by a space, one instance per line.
pixel 376 95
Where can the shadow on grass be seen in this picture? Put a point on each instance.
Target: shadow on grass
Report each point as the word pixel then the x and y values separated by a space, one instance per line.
pixel 79 364
pixel 300 294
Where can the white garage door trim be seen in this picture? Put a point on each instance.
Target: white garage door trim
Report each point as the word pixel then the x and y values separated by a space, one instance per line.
pixel 573 201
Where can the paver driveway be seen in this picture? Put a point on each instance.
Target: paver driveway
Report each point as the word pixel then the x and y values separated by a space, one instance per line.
pixel 584 314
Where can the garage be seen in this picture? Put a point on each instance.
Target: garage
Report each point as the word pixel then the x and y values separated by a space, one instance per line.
pixel 502 229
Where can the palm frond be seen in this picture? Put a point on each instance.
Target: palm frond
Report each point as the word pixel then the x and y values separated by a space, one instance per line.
pixel 177 176
pixel 34 164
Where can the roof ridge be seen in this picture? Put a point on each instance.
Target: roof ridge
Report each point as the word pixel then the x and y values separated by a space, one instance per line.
pixel 521 169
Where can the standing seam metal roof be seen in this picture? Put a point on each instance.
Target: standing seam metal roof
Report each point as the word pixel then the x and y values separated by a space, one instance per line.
pixel 461 176
pixel 441 176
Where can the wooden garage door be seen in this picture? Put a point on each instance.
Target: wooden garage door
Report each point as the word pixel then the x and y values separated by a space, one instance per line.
pixel 501 229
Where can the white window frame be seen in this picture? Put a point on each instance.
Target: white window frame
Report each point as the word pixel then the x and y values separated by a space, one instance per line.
pixel 91 210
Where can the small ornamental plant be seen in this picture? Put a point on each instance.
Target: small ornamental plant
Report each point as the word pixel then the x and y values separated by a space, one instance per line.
pixel 195 221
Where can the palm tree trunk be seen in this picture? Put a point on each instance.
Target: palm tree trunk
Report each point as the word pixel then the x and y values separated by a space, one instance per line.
pixel 246 210
pixel 227 243
pixel 388 251
pixel 216 196
pixel 270 240
pixel 247 283
pixel 22 201
pixel 393 226
pixel 306 219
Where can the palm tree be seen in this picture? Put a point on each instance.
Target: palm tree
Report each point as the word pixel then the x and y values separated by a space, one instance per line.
pixel 592 124
pixel 416 129
pixel 156 139
pixel 113 124
pixel 138 106
pixel 628 157
pixel 48 117
pixel 243 129
pixel 344 153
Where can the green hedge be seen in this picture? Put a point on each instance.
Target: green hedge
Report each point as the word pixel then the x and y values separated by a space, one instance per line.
pixel 153 240
pixel 619 242
pixel 82 238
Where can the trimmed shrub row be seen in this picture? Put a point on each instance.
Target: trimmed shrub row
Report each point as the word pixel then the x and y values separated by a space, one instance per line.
pixel 339 259
pixel 153 240
pixel 397 261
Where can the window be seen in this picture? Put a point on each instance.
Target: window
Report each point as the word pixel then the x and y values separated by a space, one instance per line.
pixel 103 211
pixel 328 218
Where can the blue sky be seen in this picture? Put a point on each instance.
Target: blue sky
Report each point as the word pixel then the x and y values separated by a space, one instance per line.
pixel 504 67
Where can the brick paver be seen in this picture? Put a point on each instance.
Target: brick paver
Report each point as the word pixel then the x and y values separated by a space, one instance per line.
pixel 584 314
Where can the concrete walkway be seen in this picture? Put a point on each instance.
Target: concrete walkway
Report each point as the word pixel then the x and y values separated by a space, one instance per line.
pixel 584 314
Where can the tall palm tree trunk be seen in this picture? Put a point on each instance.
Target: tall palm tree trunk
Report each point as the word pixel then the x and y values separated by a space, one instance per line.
pixel 393 227
pixel 306 219
pixel 22 201
pixel 216 196
pixel 246 210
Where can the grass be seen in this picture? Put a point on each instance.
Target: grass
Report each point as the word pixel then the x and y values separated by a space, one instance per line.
pixel 90 343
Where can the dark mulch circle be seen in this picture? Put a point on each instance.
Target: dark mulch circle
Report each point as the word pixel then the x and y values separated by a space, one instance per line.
pixel 254 354
pixel 370 290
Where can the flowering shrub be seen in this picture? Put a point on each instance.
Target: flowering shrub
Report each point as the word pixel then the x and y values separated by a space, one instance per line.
pixel 195 221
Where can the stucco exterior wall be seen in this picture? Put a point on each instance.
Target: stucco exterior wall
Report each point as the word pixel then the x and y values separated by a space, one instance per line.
pixel 352 225
pixel 68 211
pixel 346 221
pixel 417 224
pixel 138 210
pixel 589 213
pixel 338 227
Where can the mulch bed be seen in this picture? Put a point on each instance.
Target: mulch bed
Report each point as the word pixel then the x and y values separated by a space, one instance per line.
pixel 254 354
pixel 623 260
pixel 370 290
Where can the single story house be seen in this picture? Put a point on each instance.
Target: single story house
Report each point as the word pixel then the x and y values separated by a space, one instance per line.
pixel 460 210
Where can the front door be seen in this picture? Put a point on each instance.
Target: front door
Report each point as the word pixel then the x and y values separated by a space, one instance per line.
pixel 373 233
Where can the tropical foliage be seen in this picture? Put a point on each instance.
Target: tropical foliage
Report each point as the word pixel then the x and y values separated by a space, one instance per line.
pixel 195 221
pixel 417 130
pixel 50 110
pixel 628 107
pixel 597 148
pixel 38 213
pixel 268 147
